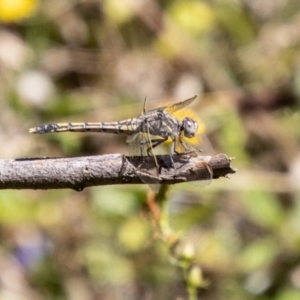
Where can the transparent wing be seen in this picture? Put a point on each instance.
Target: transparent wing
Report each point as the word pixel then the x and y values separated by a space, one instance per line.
pixel 182 147
pixel 145 145
pixel 177 106
pixel 139 144
pixel 207 178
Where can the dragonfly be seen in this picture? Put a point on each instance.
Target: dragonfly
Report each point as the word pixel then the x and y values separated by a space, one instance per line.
pixel 152 133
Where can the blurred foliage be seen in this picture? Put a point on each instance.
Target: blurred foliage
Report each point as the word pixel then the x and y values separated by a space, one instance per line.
pixel 97 60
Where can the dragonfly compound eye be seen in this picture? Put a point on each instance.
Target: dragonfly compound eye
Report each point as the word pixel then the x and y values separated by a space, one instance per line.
pixel 189 127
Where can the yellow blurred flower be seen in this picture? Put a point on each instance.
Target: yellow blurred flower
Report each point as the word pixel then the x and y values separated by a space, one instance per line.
pixel 16 10
pixel 194 16
pixel 119 11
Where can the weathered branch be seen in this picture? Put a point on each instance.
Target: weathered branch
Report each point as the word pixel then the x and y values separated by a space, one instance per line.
pixel 80 172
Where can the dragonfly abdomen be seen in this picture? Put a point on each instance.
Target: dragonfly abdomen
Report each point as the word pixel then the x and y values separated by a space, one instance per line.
pixel 125 127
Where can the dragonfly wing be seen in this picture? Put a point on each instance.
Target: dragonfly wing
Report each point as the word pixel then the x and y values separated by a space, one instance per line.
pixel 149 174
pixel 207 178
pixel 136 142
pixel 139 144
pixel 181 147
pixel 177 106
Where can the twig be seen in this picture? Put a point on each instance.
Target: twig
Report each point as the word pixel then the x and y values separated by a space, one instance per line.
pixel 80 172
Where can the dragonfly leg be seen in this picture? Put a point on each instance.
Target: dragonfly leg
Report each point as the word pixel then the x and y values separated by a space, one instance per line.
pixel 171 155
pixel 155 143
pixel 187 149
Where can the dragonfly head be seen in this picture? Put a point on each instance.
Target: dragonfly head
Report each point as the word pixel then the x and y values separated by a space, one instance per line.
pixel 189 127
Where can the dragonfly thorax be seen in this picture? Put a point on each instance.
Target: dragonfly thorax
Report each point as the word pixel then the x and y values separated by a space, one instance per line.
pixel 189 127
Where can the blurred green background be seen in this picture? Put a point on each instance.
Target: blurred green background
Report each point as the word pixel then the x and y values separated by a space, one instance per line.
pixel 94 60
